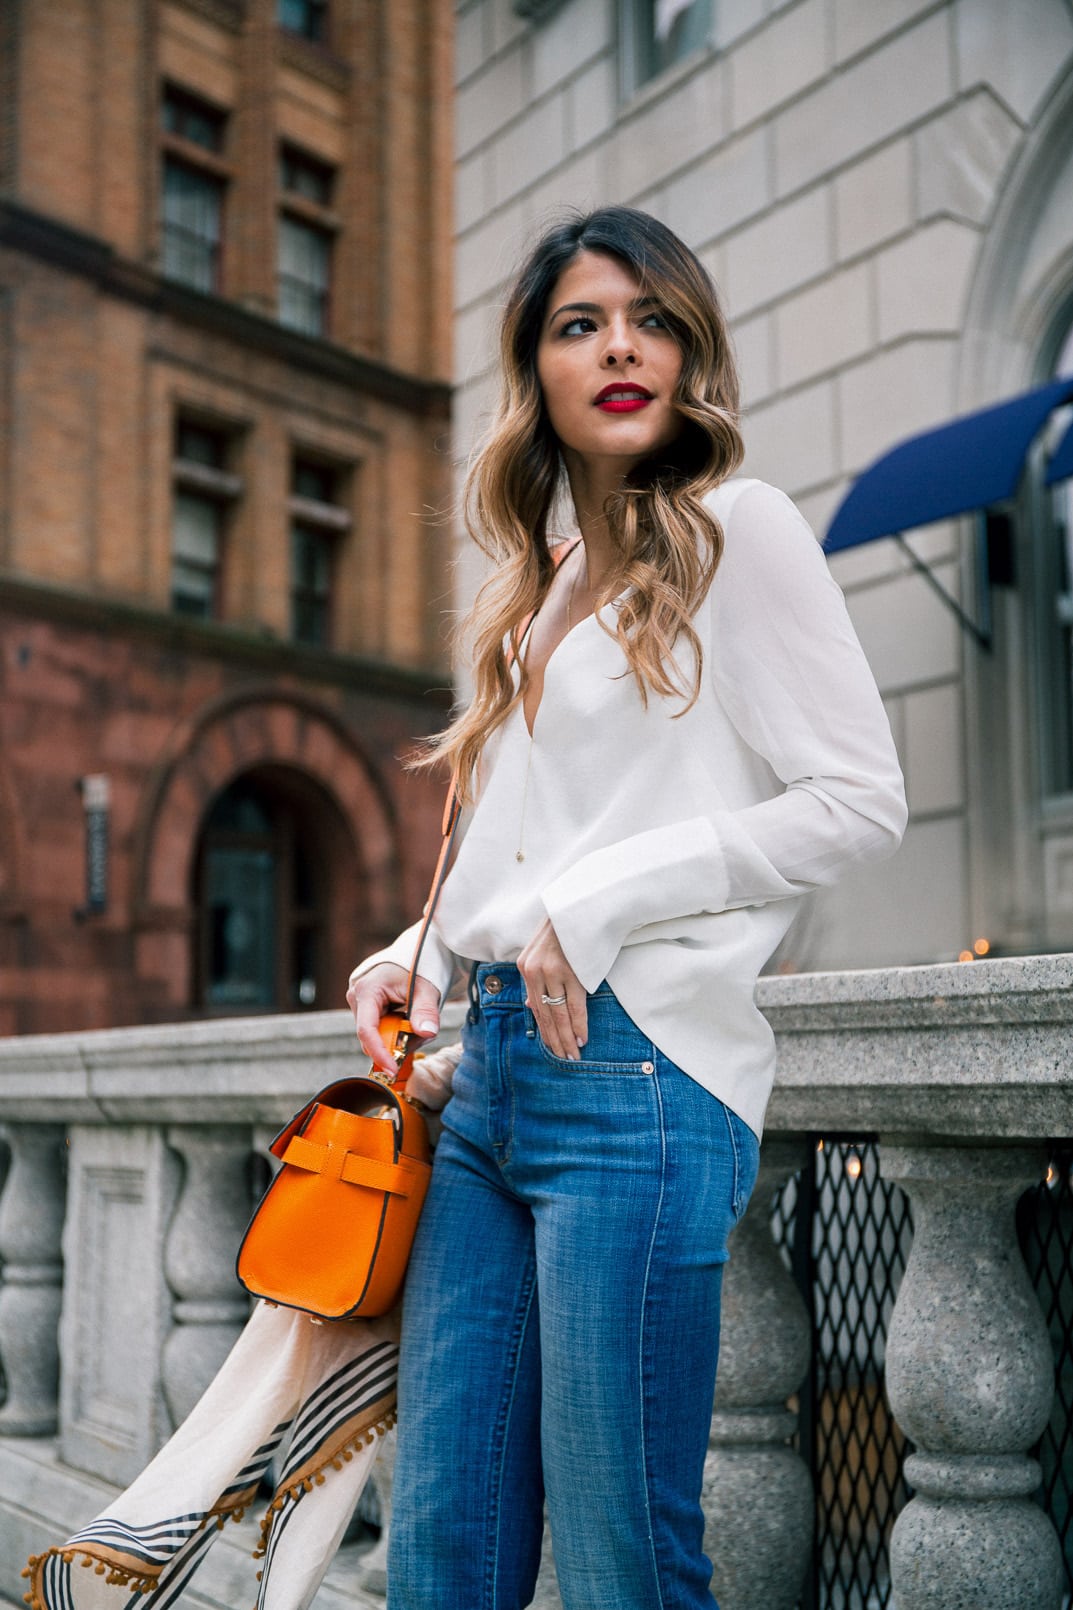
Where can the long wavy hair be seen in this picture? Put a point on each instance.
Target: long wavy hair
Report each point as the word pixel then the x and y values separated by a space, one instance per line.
pixel 667 545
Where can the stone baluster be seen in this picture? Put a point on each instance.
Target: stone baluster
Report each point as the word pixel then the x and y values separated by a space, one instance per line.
pixel 210 1307
pixel 31 1283
pixel 970 1376
pixel 757 1491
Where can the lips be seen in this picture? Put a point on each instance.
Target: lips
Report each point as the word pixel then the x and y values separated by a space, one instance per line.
pixel 623 398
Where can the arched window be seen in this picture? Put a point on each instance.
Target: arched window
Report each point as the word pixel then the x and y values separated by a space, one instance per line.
pixel 259 897
pixel 1054 601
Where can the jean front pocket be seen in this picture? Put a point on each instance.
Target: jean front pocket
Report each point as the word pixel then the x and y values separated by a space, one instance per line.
pixel 614 1043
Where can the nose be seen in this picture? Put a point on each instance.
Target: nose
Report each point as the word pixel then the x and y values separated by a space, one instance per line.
pixel 619 345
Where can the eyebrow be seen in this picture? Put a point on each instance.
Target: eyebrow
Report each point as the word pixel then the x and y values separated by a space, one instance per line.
pixel 597 307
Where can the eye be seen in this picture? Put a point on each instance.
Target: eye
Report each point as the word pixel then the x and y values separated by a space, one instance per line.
pixel 574 326
pixel 657 321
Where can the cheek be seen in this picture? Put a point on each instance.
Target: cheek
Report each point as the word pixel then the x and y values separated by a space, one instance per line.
pixel 672 370
pixel 559 390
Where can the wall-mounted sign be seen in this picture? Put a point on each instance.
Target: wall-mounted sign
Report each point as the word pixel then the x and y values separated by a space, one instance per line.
pixel 95 797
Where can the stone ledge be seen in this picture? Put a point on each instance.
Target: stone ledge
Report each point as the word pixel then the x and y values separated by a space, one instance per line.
pixel 952 1050
pixel 222 1070
pixel 1013 990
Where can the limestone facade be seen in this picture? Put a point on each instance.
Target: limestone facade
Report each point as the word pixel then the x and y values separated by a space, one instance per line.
pixel 884 194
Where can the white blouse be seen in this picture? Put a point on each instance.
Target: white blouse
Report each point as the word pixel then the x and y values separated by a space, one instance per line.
pixel 669 851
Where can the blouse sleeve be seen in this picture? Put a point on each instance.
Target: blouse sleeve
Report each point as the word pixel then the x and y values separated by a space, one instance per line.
pixel 437 963
pixel 785 664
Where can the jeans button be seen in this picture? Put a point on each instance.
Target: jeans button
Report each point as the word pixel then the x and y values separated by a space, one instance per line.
pixel 493 985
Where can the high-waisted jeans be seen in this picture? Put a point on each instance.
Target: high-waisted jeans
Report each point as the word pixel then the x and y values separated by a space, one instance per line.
pixel 561 1321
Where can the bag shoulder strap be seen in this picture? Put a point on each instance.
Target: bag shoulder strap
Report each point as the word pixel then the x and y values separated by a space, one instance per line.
pixel 452 811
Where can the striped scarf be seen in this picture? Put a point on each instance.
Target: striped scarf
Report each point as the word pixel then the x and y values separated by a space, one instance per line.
pixel 321 1393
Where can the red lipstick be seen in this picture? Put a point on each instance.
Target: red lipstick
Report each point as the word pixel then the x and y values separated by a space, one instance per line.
pixel 622 397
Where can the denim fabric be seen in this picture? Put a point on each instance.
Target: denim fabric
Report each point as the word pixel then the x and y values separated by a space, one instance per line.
pixel 561 1321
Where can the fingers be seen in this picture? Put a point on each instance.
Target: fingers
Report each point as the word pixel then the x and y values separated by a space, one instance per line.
pixel 563 1026
pixel 425 1015
pixel 369 997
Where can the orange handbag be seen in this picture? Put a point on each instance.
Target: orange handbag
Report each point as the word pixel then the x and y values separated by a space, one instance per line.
pixel 333 1231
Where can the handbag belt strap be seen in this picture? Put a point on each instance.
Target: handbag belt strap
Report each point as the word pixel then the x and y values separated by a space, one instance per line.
pixel 338 1163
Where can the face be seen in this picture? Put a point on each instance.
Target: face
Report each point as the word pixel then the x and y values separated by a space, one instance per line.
pixel 608 366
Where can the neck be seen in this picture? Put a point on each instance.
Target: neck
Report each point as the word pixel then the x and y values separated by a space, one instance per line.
pixel 591 484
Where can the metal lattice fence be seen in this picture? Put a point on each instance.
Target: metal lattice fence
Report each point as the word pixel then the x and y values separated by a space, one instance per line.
pixel 849 1266
pixel 1045 1229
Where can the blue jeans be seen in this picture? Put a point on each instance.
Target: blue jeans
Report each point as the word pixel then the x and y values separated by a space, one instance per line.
pixel 561 1321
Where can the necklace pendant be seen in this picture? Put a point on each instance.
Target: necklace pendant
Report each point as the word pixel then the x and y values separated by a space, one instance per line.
pixel 519 855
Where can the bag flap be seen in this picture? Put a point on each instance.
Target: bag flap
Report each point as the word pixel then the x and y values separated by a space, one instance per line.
pixel 346 1094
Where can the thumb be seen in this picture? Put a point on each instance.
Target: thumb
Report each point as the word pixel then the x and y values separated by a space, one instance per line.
pixel 425 1015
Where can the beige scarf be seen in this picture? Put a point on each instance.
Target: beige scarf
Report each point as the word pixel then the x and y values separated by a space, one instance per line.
pixel 322 1392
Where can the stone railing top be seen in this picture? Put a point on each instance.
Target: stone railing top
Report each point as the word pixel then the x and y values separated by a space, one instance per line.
pixel 974 1051
pixel 980 1050
pixel 1016 989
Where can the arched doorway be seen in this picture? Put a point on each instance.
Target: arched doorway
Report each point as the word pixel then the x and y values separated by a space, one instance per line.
pixel 317 791
pixel 266 856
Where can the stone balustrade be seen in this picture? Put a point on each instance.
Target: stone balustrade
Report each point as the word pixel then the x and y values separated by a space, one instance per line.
pixel 130 1158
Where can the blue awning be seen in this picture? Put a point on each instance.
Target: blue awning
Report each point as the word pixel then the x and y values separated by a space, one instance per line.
pixel 969 464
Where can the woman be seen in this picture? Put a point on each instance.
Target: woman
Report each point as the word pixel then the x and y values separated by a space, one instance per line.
pixel 674 734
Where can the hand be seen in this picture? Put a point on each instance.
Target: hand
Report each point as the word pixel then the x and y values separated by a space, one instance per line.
pixel 375 993
pixel 543 965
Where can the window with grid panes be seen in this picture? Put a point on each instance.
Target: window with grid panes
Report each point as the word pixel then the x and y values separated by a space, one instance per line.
pixel 309 18
pixel 306 176
pixel 317 520
pixel 192 195
pixel 303 270
pixel 1055 610
pixel 202 490
pixel 657 34
pixel 259 896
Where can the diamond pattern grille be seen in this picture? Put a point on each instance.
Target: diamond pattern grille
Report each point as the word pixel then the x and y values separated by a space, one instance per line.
pixel 1045 1228
pixel 849 1267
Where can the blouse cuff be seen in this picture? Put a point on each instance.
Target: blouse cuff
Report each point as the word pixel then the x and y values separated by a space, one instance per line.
pixel 653 876
pixel 437 964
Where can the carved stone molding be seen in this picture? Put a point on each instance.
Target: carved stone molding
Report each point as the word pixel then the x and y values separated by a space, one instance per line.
pixel 116 1308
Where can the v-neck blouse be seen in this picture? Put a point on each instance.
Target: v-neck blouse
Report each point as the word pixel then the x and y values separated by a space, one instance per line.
pixel 669 849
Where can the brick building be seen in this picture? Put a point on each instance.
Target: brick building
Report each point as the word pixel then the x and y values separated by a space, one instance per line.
pixel 224 406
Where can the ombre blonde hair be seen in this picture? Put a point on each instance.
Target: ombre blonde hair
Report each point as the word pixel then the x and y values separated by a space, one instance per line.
pixel 666 542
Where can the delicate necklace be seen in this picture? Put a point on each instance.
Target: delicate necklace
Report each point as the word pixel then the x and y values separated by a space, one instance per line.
pixel 519 854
